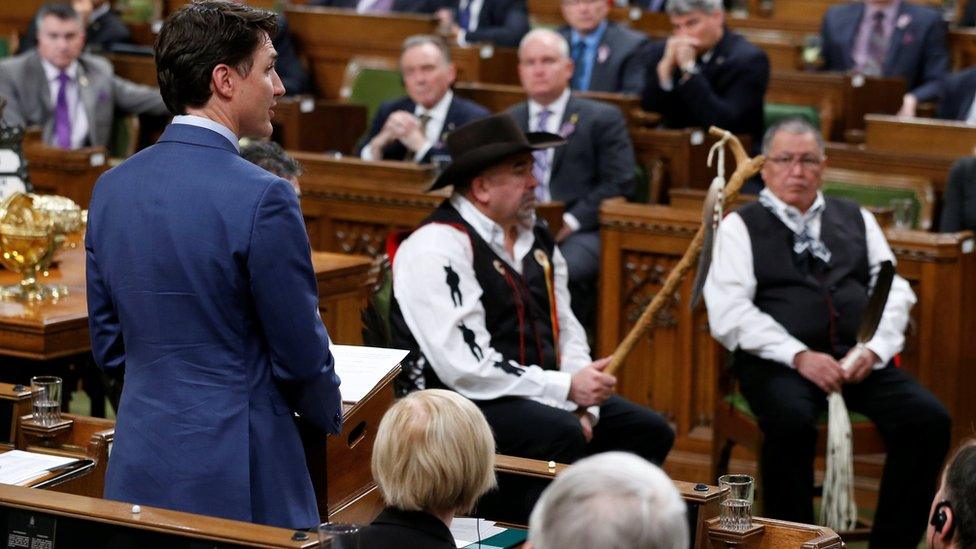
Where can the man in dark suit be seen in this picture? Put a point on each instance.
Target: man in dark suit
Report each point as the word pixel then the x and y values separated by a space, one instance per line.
pixel 382 6
pixel 888 38
pixel 958 94
pixel 414 128
pixel 597 162
pixel 499 22
pixel 103 27
pixel 72 96
pixel 706 75
pixel 606 56
pixel 200 284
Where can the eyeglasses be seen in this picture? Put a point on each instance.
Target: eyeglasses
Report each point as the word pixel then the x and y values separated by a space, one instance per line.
pixel 787 162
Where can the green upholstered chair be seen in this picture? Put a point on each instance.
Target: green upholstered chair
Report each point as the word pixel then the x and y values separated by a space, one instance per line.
pixel 774 112
pixel 369 82
pixel 876 192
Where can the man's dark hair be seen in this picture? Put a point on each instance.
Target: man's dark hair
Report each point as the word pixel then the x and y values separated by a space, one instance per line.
pixel 61 10
pixel 201 36
pixel 270 156
pixel 960 491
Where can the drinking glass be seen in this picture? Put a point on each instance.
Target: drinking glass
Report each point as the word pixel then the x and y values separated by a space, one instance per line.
pixel 46 399
pixel 901 213
pixel 736 509
pixel 337 535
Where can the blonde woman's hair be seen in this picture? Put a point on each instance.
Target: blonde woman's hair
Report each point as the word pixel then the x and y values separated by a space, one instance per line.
pixel 434 452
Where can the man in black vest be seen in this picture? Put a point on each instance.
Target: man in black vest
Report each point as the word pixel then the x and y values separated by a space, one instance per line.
pixel 503 333
pixel 786 292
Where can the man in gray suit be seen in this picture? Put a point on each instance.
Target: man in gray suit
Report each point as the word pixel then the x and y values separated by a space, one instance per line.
pixel 72 96
pixel 606 56
pixel 596 163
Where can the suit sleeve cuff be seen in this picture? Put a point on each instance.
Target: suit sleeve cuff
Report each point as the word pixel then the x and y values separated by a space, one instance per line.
pixel 594 413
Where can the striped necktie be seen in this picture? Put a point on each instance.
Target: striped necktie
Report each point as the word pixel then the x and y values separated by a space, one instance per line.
pixel 540 168
pixel 877 47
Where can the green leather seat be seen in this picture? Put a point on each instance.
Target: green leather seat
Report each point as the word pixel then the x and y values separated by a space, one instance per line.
pixel 371 86
pixel 774 112
pixel 873 196
pixel 740 403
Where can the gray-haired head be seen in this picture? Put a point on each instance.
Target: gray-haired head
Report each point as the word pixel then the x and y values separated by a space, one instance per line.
pixel 61 10
pixel 613 500
pixel 432 39
pixel 547 35
pixel 793 125
pixel 684 7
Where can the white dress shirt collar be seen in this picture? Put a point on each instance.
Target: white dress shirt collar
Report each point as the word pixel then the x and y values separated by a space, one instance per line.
pixel 203 122
pixel 494 234
pixel 557 108
pixel 51 72
pixel 439 111
pixel 790 215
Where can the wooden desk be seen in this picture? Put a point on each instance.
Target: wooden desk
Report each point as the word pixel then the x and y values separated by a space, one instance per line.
pixel 16 16
pixel 838 94
pixel 350 205
pixel 329 38
pixel 774 535
pixel 676 371
pixel 962 48
pixel 923 136
pixel 58 329
pixel 318 125
pixel 66 173
pixel 87 438
pixel 140 69
pixel 77 519
pixel 863 158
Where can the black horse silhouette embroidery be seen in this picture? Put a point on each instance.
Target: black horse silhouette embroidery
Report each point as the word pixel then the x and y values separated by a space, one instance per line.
pixel 454 283
pixel 508 368
pixel 468 335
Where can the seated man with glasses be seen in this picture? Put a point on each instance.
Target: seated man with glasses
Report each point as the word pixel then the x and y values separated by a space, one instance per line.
pixel 786 291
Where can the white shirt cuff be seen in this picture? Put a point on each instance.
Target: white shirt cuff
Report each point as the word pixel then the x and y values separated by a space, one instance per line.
pixel 785 352
pixel 420 154
pixel 557 385
pixel 367 153
pixel 570 221
pixel 885 354
pixel 666 85
pixel 462 38
pixel 594 413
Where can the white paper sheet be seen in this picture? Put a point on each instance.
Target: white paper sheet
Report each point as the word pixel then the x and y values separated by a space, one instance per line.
pixel 18 467
pixel 467 530
pixel 361 368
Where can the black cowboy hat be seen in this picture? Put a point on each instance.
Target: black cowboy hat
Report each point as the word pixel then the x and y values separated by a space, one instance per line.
pixel 481 144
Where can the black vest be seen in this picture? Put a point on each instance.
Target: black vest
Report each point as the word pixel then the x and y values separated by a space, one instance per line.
pixel 517 307
pixel 822 307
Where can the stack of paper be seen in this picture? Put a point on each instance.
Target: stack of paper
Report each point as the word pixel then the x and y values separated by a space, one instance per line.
pixel 18 467
pixel 362 368
pixel 467 531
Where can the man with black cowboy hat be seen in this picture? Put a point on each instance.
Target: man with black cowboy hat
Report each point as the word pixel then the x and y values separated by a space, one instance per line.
pixel 534 379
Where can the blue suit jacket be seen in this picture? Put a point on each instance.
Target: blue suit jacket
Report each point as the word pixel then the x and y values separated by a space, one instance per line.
pixel 500 22
pixel 917 51
pixel 623 68
pixel 200 284
pixel 958 92
pixel 460 112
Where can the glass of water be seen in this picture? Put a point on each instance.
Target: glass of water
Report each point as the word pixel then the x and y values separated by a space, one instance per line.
pixel 736 509
pixel 338 535
pixel 902 213
pixel 46 399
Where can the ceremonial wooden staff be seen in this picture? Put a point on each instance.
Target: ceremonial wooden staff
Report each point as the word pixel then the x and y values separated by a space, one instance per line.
pixel 745 168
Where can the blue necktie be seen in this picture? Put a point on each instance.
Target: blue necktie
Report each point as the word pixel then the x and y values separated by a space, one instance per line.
pixel 464 15
pixel 579 50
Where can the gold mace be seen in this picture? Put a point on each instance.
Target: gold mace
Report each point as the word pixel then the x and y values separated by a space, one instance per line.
pixel 745 168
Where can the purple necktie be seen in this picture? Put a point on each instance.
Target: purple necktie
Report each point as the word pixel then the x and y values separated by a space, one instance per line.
pixel 877 46
pixel 541 165
pixel 62 121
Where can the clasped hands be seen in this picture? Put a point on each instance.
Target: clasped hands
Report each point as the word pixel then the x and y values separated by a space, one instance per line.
pixel 680 51
pixel 591 386
pixel 827 373
pixel 400 126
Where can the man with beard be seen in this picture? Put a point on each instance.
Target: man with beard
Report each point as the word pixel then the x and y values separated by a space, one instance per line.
pixel 534 379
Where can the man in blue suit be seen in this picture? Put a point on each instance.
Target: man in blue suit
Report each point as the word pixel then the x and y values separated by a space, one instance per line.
pixel 200 285
pixel 888 38
pixel 498 22
pixel 607 57
pixel 414 128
